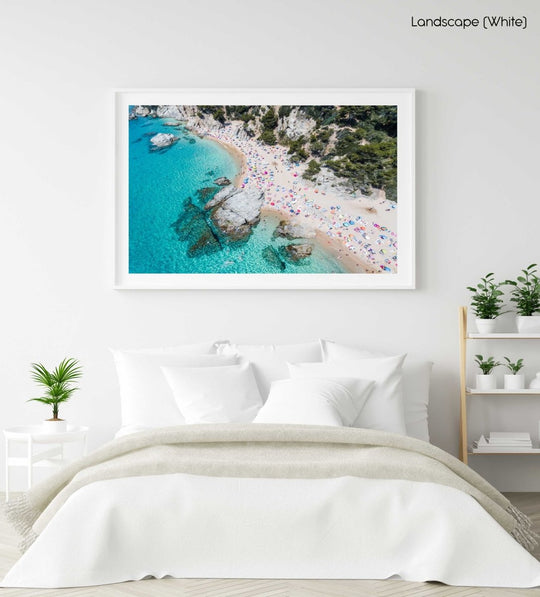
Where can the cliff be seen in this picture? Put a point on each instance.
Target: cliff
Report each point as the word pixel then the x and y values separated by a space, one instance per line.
pixel 352 147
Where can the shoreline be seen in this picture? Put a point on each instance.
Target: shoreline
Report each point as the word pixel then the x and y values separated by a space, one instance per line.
pixel 350 262
pixel 358 230
pixel 238 157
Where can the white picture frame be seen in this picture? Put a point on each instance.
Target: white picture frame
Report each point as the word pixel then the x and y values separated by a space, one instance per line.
pixel 402 278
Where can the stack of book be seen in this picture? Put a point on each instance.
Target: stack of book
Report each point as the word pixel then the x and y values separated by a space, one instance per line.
pixel 504 441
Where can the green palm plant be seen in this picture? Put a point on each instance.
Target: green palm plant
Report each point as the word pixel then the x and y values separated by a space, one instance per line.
pixel 58 384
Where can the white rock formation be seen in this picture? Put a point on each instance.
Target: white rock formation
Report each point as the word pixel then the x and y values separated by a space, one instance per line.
pixel 299 252
pixel 236 211
pixel 293 230
pixel 297 125
pixel 142 110
pixel 163 139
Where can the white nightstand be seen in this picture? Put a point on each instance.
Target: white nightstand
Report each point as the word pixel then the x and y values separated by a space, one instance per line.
pixel 33 435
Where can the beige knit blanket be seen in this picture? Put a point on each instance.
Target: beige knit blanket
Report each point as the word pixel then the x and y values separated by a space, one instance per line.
pixel 256 450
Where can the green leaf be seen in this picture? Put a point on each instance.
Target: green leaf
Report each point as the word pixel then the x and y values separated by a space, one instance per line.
pixel 40 375
pixel 43 400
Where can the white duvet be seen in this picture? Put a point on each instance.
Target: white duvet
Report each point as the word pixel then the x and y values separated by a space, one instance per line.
pixel 185 526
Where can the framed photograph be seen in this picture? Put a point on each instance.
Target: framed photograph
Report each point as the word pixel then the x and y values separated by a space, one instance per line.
pixel 265 188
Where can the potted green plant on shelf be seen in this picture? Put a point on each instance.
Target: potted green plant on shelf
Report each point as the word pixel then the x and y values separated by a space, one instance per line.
pixel 514 380
pixel 486 380
pixel 525 295
pixel 58 388
pixel 486 303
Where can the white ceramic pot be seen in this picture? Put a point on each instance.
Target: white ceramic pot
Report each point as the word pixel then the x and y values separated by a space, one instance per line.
pixel 514 382
pixel 486 326
pixel 54 426
pixel 528 324
pixel 486 382
pixel 535 382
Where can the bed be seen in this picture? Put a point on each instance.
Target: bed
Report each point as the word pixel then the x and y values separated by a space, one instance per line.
pixel 299 461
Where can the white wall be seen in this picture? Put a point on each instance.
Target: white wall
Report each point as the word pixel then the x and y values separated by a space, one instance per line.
pixel 477 195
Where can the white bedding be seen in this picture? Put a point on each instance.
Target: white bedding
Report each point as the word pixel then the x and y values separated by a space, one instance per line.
pixel 197 526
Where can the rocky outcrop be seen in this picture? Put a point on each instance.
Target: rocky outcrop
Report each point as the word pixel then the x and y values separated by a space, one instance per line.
pixel 207 242
pixel 163 140
pixel 292 230
pixel 176 112
pixel 205 192
pixel 141 111
pixel 192 227
pixel 235 212
pixel 220 196
pixel 271 256
pixel 222 181
pixel 296 125
pixel 298 252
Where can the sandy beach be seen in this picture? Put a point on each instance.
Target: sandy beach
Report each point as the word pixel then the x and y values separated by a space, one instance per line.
pixel 239 158
pixel 359 231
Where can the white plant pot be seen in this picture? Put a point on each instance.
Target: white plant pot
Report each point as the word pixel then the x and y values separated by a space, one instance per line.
pixel 59 426
pixel 486 326
pixel 528 324
pixel 535 383
pixel 486 382
pixel 514 382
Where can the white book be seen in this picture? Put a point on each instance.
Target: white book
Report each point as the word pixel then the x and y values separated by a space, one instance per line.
pixel 488 441
pixel 522 444
pixel 504 450
pixel 509 435
pixel 515 444
pixel 482 443
pixel 510 439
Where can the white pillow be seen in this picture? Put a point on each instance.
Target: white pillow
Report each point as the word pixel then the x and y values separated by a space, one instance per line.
pixel 316 401
pixel 146 399
pixel 416 382
pixel 270 360
pixel 224 395
pixel 384 407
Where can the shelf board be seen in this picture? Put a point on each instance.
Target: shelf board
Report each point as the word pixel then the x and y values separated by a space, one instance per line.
pixel 503 336
pixel 474 451
pixel 502 392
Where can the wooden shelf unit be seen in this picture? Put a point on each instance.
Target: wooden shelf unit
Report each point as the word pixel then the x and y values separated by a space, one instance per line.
pixel 465 392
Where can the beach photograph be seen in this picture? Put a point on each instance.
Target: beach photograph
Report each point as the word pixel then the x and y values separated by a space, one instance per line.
pixel 263 189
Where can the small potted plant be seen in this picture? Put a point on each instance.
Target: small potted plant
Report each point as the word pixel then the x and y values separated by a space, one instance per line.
pixel 514 380
pixel 526 296
pixel 58 388
pixel 486 303
pixel 486 380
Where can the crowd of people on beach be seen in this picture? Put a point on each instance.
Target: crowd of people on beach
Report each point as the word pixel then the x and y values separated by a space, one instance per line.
pixel 367 245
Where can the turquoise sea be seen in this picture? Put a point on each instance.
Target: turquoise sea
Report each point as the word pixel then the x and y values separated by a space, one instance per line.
pixel 169 187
